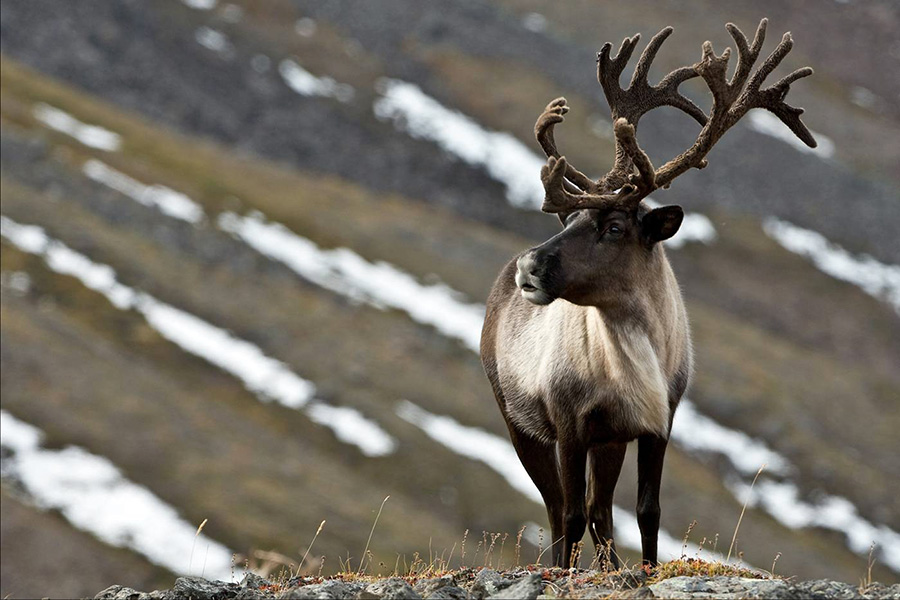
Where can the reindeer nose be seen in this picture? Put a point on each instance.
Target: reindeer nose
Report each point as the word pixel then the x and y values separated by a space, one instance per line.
pixel 526 264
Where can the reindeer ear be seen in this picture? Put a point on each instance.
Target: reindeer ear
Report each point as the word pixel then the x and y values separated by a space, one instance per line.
pixel 661 223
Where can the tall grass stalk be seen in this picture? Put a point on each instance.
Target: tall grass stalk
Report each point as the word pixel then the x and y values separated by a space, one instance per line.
pixel 194 543
pixel 303 560
pixel 744 508
pixel 363 558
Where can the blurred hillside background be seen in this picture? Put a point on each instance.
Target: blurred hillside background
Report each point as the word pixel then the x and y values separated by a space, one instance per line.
pixel 246 245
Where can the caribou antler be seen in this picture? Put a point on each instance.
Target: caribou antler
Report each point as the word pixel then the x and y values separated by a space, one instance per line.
pixel 632 176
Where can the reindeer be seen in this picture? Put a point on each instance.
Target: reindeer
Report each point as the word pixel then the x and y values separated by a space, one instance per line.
pixel 586 340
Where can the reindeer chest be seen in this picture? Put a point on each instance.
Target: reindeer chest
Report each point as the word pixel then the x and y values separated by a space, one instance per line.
pixel 567 367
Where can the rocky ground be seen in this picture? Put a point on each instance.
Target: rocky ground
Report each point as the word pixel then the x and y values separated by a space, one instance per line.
pixel 528 583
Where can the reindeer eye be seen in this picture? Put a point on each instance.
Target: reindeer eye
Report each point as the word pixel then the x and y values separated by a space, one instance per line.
pixel 614 229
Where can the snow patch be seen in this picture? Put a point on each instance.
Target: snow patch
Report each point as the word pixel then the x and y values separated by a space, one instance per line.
pixel 535 22
pixel 91 136
pixel 504 157
pixel 265 377
pixel 782 500
pixel 875 278
pixel 19 282
pixel 766 123
pixel 697 433
pixel 351 427
pixel 864 97
pixel 306 84
pixel 305 27
pixel 201 4
pixel 166 200
pixel 95 497
pixel 380 284
pixel 268 379
pixel 212 40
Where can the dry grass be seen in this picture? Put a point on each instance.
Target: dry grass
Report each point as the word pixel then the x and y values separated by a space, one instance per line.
pixel 695 567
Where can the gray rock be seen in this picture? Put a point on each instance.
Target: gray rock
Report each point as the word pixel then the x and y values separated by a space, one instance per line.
pixel 197 588
pixel 628 579
pixel 393 588
pixel 120 592
pixel 334 589
pixel 252 580
pixel 720 587
pixel 428 586
pixel 823 589
pixel 487 583
pixel 698 585
pixel 774 589
pixel 527 588
pixel 641 592
pixel 440 588
pixel 449 592
pixel 253 594
pixel 250 588
pixel 519 584
pixel 592 593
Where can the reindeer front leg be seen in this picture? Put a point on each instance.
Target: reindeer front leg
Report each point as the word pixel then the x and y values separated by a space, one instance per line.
pixel 651 453
pixel 572 464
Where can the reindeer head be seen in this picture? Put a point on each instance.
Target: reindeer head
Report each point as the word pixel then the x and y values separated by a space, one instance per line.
pixel 610 238
pixel 601 255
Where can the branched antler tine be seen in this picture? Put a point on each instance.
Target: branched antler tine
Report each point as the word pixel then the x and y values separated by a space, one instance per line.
pixel 643 67
pixel 771 62
pixel 645 180
pixel 610 69
pixel 677 77
pixel 760 37
pixel 674 98
pixel 625 52
pixel 772 98
pixel 732 100
pixel 790 116
pixel 543 131
pixel 558 199
pixel 746 56
pixel 740 40
pixel 713 69
pixel 787 80
pixel 685 105
pixel 543 127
